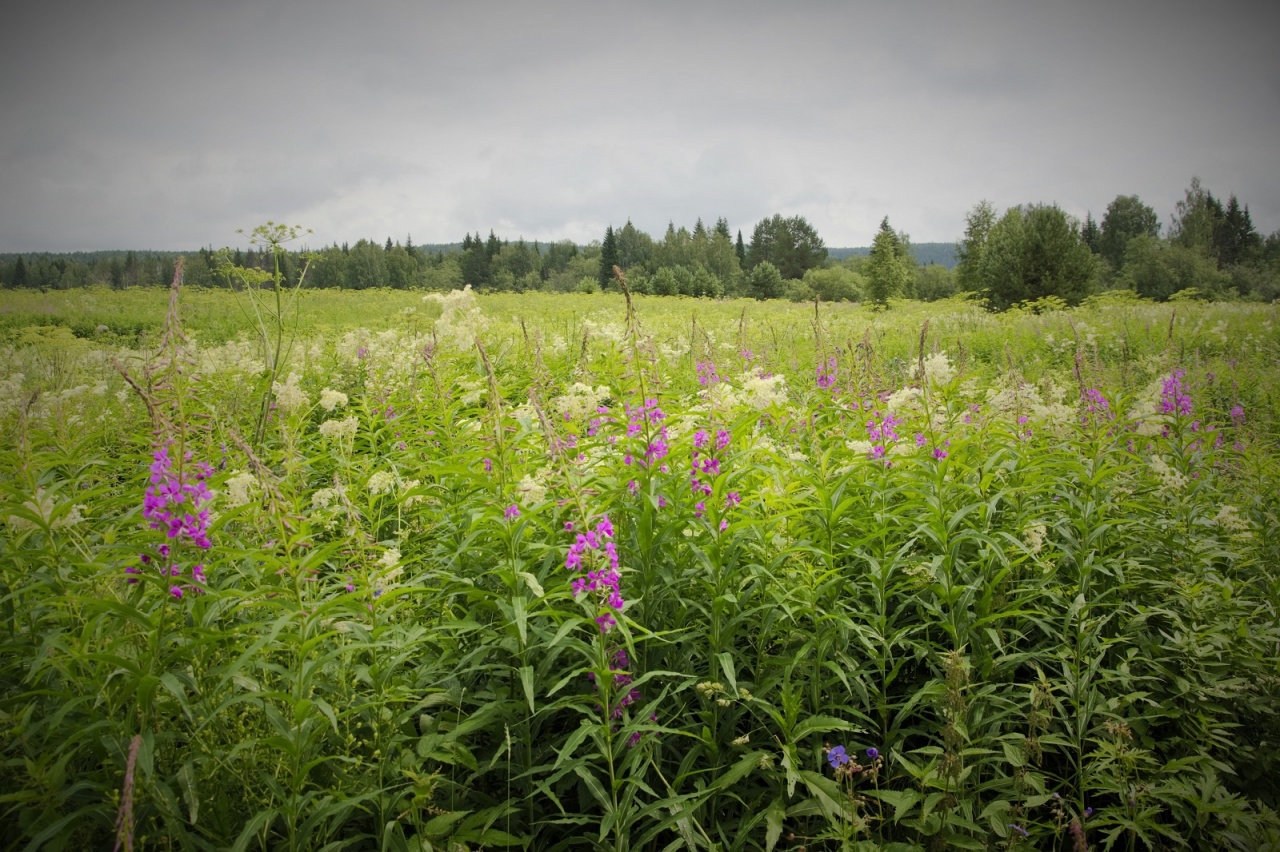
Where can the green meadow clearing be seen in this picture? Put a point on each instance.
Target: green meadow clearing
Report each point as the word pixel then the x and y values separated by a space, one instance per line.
pixel 406 571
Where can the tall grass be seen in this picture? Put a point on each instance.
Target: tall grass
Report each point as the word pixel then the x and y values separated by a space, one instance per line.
pixel 924 578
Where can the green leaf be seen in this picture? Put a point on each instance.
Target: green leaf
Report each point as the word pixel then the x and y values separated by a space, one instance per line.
pixel 526 680
pixel 902 800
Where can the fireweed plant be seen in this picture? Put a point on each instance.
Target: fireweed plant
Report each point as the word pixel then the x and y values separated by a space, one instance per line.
pixel 546 572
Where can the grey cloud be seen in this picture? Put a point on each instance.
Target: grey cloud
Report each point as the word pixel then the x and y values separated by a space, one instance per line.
pixel 150 123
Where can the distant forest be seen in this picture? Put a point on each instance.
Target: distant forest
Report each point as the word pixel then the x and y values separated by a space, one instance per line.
pixel 1026 253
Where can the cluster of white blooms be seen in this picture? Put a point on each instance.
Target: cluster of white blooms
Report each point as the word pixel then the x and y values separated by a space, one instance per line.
pixel 11 392
pixel 290 397
pixel 460 318
pixel 324 498
pixel 723 397
pixel 906 399
pixel 389 559
pixel 42 506
pixel 764 392
pixel 532 490
pixel 234 356
pixel 382 482
pixel 580 401
pixel 339 429
pixel 331 399
pixel 604 330
pixel 473 390
pixel 414 499
pixel 1230 519
pixel 938 370
pixel 1034 536
pixel 1170 479
pixel 241 485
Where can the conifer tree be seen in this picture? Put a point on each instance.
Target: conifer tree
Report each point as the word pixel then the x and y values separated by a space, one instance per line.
pixel 608 256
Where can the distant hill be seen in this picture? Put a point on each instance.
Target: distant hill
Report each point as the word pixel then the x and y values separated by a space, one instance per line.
pixel 943 254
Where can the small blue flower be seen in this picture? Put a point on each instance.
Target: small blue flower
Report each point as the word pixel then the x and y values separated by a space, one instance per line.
pixel 873 752
pixel 837 757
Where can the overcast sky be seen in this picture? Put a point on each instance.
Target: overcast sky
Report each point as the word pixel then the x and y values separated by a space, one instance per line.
pixel 169 124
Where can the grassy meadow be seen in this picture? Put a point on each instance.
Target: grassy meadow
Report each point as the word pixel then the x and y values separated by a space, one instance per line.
pixel 379 570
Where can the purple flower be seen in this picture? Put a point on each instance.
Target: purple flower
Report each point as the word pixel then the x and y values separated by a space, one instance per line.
pixel 511 512
pixel 1019 829
pixel 488 465
pixel 176 591
pixel 1173 395
pixel 873 752
pixel 837 757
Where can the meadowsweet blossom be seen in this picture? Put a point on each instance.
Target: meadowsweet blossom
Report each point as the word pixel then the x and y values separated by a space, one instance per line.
pixel 289 397
pixel 241 487
pixel 324 497
pixel 938 370
pixel 331 399
pixel 531 490
pixel 764 390
pixel 1230 519
pixel 339 430
pixel 1170 479
pixel 580 401
pixel 460 318
pixel 1034 536
pixel 382 482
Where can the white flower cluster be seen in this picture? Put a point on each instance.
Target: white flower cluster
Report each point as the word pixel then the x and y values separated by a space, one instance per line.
pixel 241 486
pixel 580 401
pixel 234 357
pixel 1034 537
pixel 762 392
pixel 416 498
pixel 331 399
pixel 460 318
pixel 1170 479
pixel 336 430
pixel 1230 519
pixel 324 498
pixel 473 390
pixel 382 482
pixel 938 370
pixel 290 397
pixel 42 505
pixel 532 490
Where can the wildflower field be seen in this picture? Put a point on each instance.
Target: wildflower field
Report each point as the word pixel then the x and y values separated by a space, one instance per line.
pixel 377 571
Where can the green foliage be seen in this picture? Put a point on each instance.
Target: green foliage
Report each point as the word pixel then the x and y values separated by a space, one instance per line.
pixel 1156 270
pixel 1030 590
pixel 764 281
pixel 1033 252
pixel 835 284
pixel 791 245
pixel 889 270
pixel 1126 218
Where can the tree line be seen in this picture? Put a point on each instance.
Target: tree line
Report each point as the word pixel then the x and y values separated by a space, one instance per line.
pixel 1024 254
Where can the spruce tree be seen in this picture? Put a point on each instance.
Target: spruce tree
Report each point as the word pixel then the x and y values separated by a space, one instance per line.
pixel 608 256
pixel 1089 233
